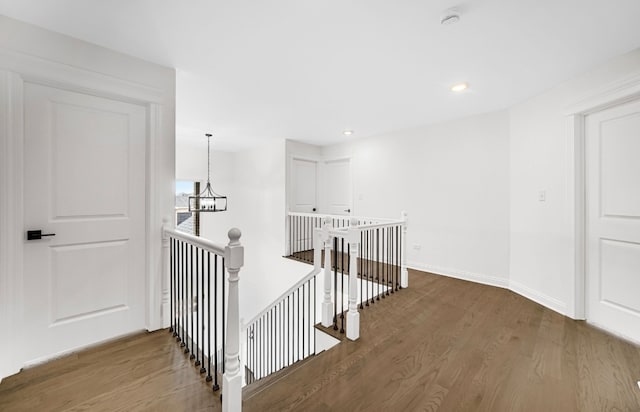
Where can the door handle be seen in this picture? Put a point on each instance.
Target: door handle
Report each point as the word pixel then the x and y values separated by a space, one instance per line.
pixel 348 210
pixel 37 234
pixel 314 209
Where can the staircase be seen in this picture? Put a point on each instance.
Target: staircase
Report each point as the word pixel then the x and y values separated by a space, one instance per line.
pixel 357 263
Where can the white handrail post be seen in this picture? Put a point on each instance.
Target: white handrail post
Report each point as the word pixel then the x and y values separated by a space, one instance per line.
pixel 318 245
pixel 353 317
pixel 166 256
pixel 404 274
pixel 327 304
pixel 287 233
pixel 243 351
pixel 232 378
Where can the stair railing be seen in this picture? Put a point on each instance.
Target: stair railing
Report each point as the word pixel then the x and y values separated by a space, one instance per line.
pixel 300 228
pixel 198 301
pixel 284 332
pixel 373 257
pixel 366 253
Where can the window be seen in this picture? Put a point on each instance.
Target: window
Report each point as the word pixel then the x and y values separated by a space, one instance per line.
pixel 186 221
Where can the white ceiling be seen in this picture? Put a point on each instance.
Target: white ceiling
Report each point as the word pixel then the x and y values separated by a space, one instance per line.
pixel 306 70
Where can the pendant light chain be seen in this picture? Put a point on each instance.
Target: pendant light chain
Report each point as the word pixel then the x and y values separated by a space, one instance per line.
pixel 208 157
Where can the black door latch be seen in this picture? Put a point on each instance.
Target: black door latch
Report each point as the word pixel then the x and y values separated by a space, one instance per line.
pixel 37 234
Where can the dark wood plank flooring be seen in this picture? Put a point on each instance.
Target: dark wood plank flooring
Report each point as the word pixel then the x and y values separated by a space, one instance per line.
pixel 442 344
pixel 450 345
pixel 143 372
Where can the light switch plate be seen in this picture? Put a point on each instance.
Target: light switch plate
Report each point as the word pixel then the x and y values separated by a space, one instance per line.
pixel 542 196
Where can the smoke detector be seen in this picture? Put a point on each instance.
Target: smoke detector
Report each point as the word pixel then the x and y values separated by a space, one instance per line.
pixel 450 16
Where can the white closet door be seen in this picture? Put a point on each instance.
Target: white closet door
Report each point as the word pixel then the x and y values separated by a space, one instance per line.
pixel 613 219
pixel 84 168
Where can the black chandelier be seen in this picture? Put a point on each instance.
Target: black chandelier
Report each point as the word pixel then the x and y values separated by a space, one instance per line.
pixel 208 200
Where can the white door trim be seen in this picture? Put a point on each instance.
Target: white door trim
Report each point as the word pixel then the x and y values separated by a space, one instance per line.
pixel 16 69
pixel 613 94
pixel 11 211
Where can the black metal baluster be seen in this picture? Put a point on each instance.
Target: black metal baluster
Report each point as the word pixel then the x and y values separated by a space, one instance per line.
pixel 378 262
pixel 308 317
pixel 190 305
pixel 301 322
pixel 171 283
pixel 335 283
pixel 384 266
pixel 209 378
pixel 224 319
pixel 367 265
pixel 315 292
pixel 392 259
pixel 197 303
pixel 361 267
pixel 288 331
pixel 215 322
pixel 248 366
pixel 342 286
pixel 388 260
pixel 395 258
pixel 281 344
pixel 372 264
pixel 400 254
pixel 184 295
pixel 202 368
pixel 260 348
pixel 174 312
pixel 272 351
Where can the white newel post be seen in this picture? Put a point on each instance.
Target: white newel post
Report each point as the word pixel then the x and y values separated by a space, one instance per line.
pixel 327 304
pixel 232 378
pixel 404 274
pixel 318 245
pixel 165 293
pixel 353 317
pixel 288 251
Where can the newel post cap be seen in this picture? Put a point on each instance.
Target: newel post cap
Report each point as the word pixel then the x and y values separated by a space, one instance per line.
pixel 234 236
pixel 234 251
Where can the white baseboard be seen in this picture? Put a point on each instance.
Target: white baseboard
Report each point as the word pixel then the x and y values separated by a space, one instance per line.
pixel 67 352
pixel 460 274
pixel 544 300
pixel 519 288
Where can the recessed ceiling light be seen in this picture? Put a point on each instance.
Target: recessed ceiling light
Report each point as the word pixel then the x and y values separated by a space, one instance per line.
pixel 459 87
pixel 347 132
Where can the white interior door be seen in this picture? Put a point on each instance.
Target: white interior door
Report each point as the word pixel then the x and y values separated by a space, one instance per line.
pixel 304 177
pixel 84 168
pixel 337 187
pixel 613 219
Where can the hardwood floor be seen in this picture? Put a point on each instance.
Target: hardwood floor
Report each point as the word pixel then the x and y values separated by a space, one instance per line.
pixel 144 372
pixel 442 344
pixel 449 345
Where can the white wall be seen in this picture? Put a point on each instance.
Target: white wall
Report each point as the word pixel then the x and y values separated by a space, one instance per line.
pixel 453 180
pixel 542 258
pixel 254 181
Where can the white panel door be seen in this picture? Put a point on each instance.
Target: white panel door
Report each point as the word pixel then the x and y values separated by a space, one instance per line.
pixel 84 167
pixel 304 176
pixel 613 219
pixel 337 187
